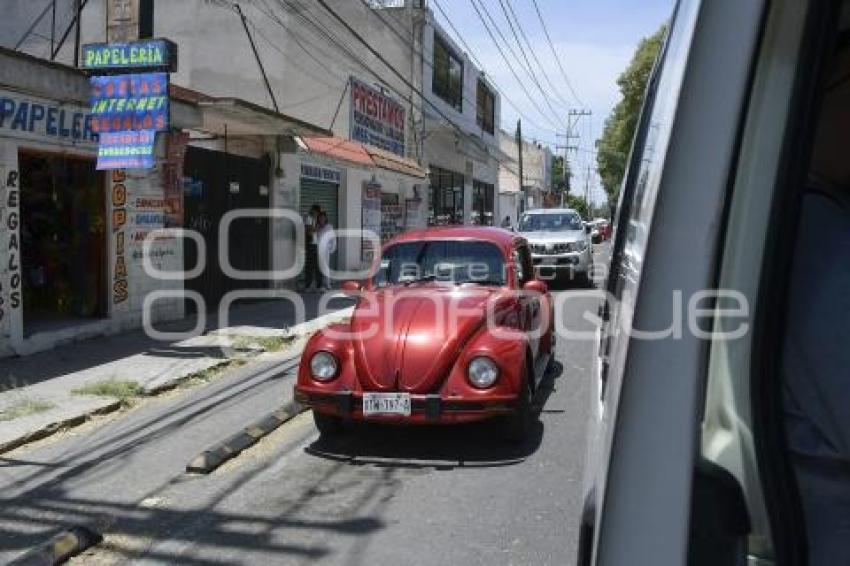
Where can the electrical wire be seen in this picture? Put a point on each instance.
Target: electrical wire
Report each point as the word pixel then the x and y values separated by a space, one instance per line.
pixel 508 62
pixel 458 37
pixel 555 90
pixel 555 54
pixel 528 66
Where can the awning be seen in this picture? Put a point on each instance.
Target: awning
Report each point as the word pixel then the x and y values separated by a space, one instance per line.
pixel 361 154
pixel 339 148
pixel 393 162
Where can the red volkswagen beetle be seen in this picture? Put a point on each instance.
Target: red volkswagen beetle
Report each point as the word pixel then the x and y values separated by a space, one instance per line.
pixel 452 327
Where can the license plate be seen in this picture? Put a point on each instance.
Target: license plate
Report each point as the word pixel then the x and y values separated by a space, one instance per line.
pixel 386 404
pixel 549 261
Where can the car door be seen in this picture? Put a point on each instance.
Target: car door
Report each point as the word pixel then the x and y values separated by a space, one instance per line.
pixel 529 304
pixel 644 436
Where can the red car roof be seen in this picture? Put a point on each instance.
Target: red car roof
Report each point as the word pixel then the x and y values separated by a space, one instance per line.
pixel 499 236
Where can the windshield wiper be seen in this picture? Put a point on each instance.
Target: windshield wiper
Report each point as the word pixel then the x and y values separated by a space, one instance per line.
pixel 424 278
pixel 482 282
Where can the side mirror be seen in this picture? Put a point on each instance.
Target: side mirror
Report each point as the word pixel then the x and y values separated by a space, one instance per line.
pixel 351 287
pixel 536 286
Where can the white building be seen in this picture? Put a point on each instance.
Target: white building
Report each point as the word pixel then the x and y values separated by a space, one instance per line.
pixel 537 175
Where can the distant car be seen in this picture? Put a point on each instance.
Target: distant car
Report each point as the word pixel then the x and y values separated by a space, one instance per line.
pixel 560 243
pixel 420 348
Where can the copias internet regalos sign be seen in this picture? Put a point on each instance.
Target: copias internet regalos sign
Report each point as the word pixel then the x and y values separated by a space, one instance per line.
pixel 147 55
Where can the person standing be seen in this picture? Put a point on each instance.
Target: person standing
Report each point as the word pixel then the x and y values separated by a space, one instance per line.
pixel 312 274
pixel 326 237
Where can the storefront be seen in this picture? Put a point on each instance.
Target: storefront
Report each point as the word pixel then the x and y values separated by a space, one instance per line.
pixel 54 217
pixel 63 239
pixel 72 236
pixel 445 197
pixel 360 187
pixel 482 203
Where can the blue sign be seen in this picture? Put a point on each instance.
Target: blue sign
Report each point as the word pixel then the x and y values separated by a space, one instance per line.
pixel 36 118
pixel 150 54
pixel 130 102
pixel 126 150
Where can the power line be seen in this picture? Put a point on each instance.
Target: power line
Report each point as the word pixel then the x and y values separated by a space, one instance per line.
pixel 534 55
pixel 429 61
pixel 528 66
pixel 346 50
pixel 505 58
pixel 555 54
pixel 403 79
pixel 475 59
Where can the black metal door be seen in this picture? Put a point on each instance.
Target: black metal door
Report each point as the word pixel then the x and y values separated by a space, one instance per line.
pixel 216 183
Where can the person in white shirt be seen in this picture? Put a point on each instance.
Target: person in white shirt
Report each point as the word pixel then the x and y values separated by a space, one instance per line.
pixel 312 273
pixel 326 238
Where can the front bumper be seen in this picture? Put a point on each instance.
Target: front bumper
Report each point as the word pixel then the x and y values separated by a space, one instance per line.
pixel 424 409
pixel 577 262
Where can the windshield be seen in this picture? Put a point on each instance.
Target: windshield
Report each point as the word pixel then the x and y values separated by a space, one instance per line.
pixel 449 261
pixel 549 222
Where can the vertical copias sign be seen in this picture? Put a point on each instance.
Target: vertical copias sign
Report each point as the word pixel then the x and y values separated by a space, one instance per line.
pixel 129 99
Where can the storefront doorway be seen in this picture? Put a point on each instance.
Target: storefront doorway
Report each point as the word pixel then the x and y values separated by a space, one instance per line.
pixel 63 241
pixel 322 193
pixel 214 184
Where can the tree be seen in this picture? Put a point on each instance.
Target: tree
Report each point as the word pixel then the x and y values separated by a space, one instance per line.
pixel 560 174
pixel 614 145
pixel 578 204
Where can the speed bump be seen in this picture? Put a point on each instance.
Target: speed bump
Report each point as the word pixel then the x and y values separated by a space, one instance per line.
pixel 60 548
pixel 211 459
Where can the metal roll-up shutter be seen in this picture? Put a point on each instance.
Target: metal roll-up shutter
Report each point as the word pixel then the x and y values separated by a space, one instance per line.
pixel 324 194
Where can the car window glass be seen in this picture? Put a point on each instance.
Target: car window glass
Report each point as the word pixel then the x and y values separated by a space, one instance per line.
pixel 442 261
pixel 531 222
pixel 638 194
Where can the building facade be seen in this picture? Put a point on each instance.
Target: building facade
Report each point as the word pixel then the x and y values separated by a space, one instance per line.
pixel 536 172
pixel 73 236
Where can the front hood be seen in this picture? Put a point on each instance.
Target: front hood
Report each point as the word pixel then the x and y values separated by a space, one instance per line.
pixel 407 339
pixel 561 236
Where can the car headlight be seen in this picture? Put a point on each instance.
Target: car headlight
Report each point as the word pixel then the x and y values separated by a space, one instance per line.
pixel 482 372
pixel 579 246
pixel 323 366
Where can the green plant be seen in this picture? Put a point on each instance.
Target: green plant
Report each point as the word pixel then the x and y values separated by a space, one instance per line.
pixel 123 390
pixel 24 408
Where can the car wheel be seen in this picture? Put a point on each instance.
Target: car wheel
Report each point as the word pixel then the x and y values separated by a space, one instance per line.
pixel 328 425
pixel 516 427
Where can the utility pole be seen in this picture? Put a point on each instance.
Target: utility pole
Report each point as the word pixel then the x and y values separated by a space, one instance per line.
pixel 78 8
pixel 587 191
pixel 573 117
pixel 523 196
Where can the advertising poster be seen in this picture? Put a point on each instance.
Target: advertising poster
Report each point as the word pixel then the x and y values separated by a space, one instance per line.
pixel 126 150
pixel 376 118
pixel 371 218
pixel 130 102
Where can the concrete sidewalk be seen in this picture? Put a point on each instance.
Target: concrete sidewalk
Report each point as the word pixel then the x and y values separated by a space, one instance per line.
pixel 44 392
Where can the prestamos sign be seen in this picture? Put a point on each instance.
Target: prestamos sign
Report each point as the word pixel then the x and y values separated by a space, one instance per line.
pixel 376 118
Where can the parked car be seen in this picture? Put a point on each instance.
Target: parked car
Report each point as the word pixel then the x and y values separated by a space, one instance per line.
pixel 420 347
pixel 560 243
pixel 727 442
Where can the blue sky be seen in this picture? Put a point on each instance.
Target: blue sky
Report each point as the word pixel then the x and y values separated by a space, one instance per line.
pixel 594 39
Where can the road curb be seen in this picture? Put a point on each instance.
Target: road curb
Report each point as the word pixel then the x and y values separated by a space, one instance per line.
pixel 60 548
pixel 54 427
pixel 209 460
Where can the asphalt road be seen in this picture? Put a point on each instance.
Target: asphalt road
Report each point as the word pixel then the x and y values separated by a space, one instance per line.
pixel 379 495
